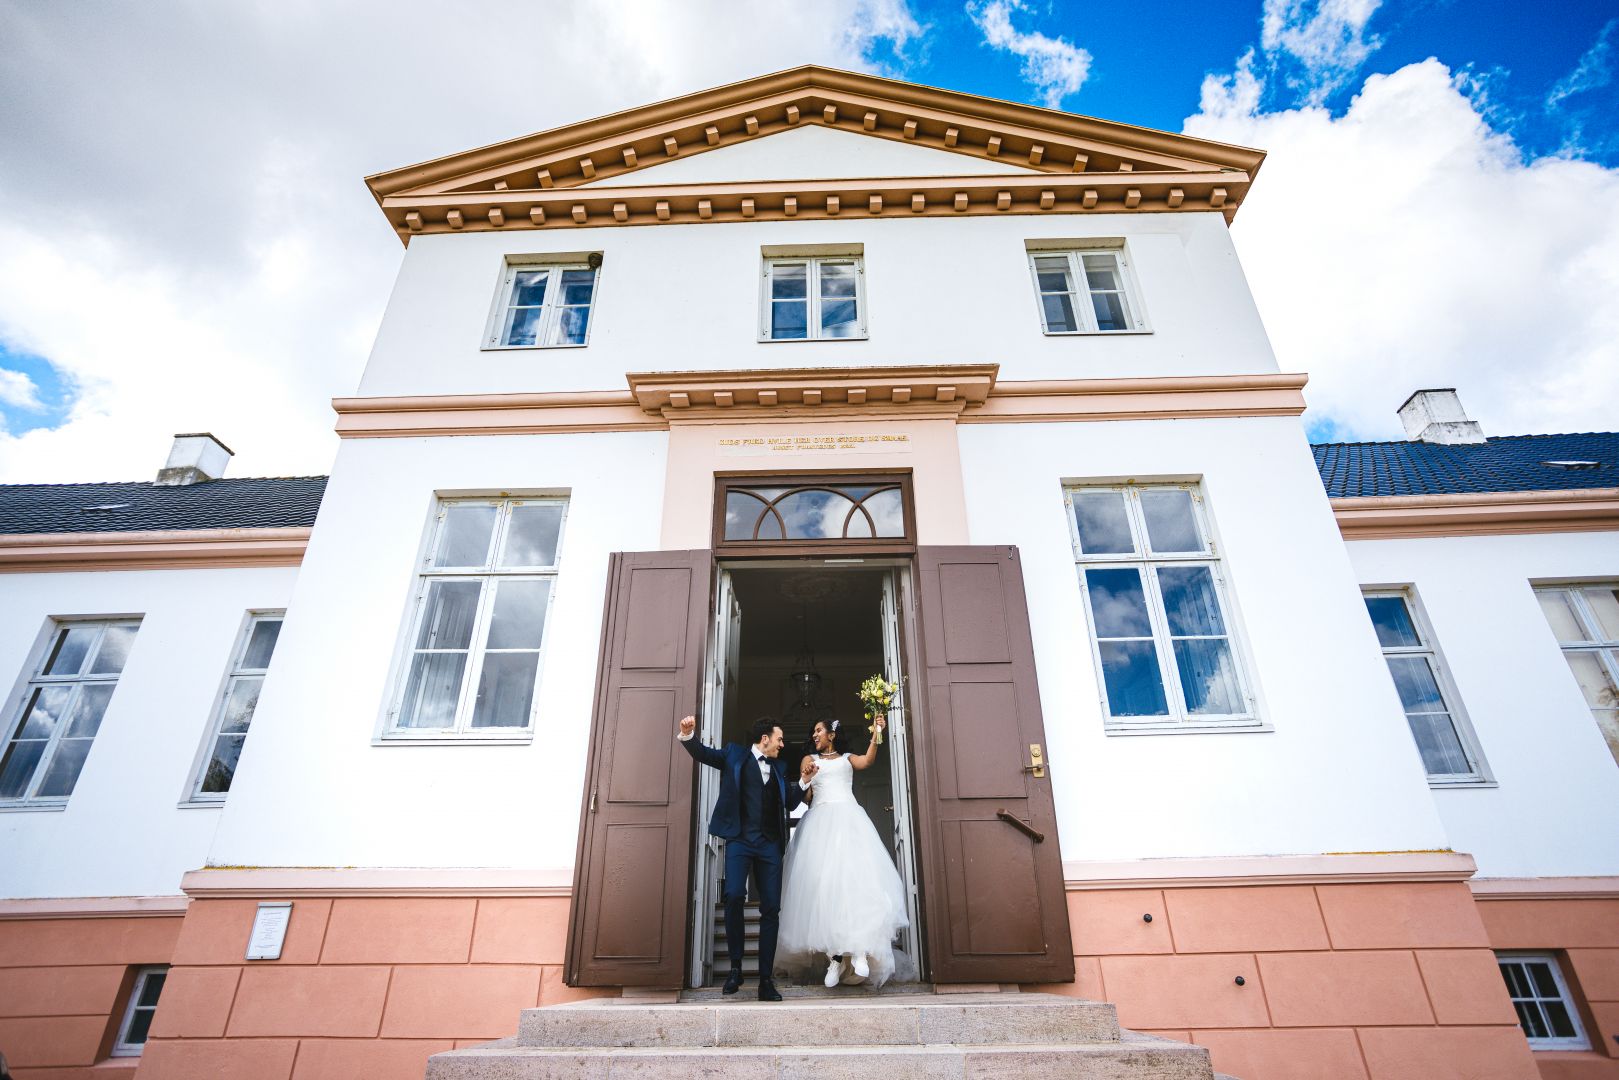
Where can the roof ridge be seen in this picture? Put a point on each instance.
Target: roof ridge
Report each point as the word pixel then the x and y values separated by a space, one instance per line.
pixel 148 483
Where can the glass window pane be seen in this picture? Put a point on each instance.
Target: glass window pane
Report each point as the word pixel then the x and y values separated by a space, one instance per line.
pixel 742 511
pixel 578 286
pixel 114 651
pixel 222 766
pixel 887 511
pixel 789 281
pixel 528 288
pixel 87 713
pixel 432 690
pixel 1111 312
pixel 153 988
pixel 22 757
pixel 814 515
pixel 1555 603
pixel 240 701
pixel 448 615
pixel 839 319
pixel 522 326
pixel 261 644
pixel 1134 684
pixel 1437 741
pixel 1557 1020
pixel 1589 672
pixel 1190 601
pixel 464 534
pixel 572 322
pixel 1171 524
pixel 1102 272
pixel 1052 272
pixel 1530 1020
pixel 1104 526
pixel 1512 975
pixel 531 535
pixel 72 646
pixel 45 710
pixel 140 1022
pixel 63 772
pixel 1392 619
pixel 506 690
pixel 1414 679
pixel 770 527
pixel 1059 311
pixel 1118 603
pixel 837 280
pixel 859 527
pixel 1604 603
pixel 518 619
pixel 789 320
pixel 1541 973
pixel 1208 677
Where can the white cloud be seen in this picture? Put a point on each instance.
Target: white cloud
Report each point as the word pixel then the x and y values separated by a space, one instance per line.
pixel 19 391
pixel 1054 67
pixel 184 232
pixel 1406 243
pixel 1327 44
pixel 1595 69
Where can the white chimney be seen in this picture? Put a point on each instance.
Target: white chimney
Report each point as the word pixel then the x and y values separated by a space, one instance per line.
pixel 1437 416
pixel 195 456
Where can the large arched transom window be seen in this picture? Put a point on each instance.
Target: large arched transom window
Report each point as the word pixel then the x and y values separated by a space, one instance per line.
pixel 813 510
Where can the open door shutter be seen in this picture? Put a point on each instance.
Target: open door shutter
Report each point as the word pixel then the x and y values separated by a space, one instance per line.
pixel 991 870
pixel 631 874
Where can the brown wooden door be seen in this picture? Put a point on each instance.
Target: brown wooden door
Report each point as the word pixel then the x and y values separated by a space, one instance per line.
pixel 633 867
pixel 992 892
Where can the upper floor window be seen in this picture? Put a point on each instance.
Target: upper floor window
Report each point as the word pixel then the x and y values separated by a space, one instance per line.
pixel 543 305
pixel 62 707
pixel 1432 706
pixel 483 595
pixel 1085 291
pixel 813 298
pixel 1153 588
pixel 1585 619
pixel 234 713
pixel 1545 1008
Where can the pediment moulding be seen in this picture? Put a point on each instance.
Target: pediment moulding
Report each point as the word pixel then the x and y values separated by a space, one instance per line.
pixel 545 180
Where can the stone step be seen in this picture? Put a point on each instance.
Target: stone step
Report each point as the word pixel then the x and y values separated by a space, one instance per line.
pixel 876 1020
pixel 1133 1057
pixel 813 988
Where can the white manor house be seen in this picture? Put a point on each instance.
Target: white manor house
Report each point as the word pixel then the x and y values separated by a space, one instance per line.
pixel 1303 756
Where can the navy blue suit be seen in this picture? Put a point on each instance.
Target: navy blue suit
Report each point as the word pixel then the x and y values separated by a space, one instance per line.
pixel 751 817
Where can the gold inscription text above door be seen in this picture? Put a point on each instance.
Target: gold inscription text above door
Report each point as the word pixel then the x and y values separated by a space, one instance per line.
pixel 777 445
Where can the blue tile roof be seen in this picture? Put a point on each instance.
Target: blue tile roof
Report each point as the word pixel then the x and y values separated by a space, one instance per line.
pixel 138 506
pixel 1509 463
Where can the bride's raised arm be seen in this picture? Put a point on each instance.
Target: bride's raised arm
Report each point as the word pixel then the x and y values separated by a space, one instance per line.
pixel 860 761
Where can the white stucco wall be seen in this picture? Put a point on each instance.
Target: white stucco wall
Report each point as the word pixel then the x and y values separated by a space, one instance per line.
pixel 315 790
pixel 1552 813
pixel 123 832
pixel 938 290
pixel 1337 773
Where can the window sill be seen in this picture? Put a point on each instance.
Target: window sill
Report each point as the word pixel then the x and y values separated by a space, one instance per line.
pixel 200 804
pixel 32 808
pixel 1094 333
pixel 1243 728
pixel 1471 784
pixel 523 739
pixel 531 348
pixel 811 340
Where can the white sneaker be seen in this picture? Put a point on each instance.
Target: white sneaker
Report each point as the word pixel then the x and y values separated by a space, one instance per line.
pixel 834 971
pixel 860 967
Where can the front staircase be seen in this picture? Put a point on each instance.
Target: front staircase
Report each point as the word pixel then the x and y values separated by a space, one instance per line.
pixel 895 1036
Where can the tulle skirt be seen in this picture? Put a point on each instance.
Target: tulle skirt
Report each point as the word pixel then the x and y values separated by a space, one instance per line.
pixel 840 895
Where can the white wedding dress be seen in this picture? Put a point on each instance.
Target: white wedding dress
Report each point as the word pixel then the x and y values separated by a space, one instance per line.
pixel 841 894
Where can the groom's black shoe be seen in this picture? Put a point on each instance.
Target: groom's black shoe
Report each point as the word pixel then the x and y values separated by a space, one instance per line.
pixel 733 982
pixel 768 991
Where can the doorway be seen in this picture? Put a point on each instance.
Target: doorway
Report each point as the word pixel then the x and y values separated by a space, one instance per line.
pixel 794 640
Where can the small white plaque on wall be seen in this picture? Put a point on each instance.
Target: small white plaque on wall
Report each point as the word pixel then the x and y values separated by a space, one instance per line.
pixel 269 930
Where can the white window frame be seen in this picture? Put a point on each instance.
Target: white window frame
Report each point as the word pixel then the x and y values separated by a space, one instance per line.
pixel 1178 720
pixel 234 673
pixel 512 266
pixel 1081 296
pixel 1578 1040
pixel 462 731
pixel 37 680
pixel 812 285
pixel 1604 649
pixel 1450 695
pixel 122 1047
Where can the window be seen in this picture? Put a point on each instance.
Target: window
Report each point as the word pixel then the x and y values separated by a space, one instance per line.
pixel 813 298
pixel 1545 1007
pixel 138 1017
pixel 484 592
pixel 1585 619
pixel 543 306
pixel 1084 292
pixel 811 513
pixel 1153 595
pixel 1432 706
pixel 62 710
pixel 228 731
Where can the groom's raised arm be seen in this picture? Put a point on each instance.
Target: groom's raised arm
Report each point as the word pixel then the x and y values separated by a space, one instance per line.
pixel 686 733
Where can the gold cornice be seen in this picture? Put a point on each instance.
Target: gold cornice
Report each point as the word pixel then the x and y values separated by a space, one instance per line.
pixel 174 549
pixel 1395 517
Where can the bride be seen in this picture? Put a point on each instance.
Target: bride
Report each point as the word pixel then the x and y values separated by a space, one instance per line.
pixel 842 896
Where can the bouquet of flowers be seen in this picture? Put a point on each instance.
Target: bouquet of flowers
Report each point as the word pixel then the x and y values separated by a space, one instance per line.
pixel 877 695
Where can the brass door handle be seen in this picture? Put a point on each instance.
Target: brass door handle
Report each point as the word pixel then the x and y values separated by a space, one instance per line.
pixel 1037 761
pixel 1022 826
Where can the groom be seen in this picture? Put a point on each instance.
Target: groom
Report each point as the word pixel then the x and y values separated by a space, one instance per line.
pixel 751 817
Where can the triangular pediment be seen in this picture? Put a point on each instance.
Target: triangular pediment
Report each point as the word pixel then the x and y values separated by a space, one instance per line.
pixel 821 126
